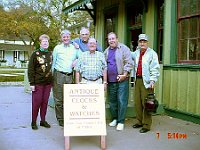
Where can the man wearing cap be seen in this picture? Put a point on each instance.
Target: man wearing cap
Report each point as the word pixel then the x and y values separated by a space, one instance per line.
pixel 64 57
pixel 145 73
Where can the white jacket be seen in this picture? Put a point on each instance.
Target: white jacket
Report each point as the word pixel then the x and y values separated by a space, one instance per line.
pixel 150 66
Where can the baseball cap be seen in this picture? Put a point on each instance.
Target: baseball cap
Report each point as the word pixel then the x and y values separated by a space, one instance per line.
pixel 143 37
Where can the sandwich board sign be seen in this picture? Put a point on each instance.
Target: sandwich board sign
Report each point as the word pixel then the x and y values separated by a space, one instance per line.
pixel 84 111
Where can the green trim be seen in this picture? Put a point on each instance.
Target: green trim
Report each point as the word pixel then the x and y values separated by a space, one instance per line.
pixel 182 115
pixel 173 48
pixel 181 66
pixel 155 43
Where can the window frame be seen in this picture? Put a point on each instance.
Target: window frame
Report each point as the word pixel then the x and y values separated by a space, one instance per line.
pixel 180 19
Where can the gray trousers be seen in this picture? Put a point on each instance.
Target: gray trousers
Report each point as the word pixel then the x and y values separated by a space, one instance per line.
pixel 58 84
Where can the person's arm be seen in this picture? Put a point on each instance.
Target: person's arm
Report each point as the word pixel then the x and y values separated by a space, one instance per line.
pixel 154 70
pixel 31 72
pixel 77 77
pixel 54 55
pixel 75 43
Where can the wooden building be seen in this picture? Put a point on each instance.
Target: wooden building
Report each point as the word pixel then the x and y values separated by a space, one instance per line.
pixel 173 27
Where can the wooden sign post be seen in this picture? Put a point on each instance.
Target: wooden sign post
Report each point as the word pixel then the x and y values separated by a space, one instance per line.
pixel 84 112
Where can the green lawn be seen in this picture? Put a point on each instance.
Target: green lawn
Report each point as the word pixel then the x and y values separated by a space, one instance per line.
pixel 11 75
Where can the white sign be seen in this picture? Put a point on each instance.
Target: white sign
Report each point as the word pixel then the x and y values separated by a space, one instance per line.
pixel 84 110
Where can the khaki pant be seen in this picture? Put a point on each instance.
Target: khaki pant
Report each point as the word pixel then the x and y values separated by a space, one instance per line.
pixel 142 116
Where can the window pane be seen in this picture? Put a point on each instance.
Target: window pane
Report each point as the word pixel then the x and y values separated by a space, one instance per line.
pixel 184 29
pixel 192 49
pixel 183 50
pixel 193 6
pixel 198 49
pixel 184 7
pixel 193 27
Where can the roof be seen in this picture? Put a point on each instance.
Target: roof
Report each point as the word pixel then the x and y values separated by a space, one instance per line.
pixel 76 6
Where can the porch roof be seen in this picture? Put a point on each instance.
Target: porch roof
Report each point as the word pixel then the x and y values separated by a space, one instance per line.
pixel 14 47
pixel 79 5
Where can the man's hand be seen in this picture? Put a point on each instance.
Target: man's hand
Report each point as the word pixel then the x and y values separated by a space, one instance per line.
pixel 121 78
pixel 152 84
pixel 76 45
pixel 32 88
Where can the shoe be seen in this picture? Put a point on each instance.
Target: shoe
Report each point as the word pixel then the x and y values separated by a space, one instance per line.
pixel 144 130
pixel 45 124
pixel 34 125
pixel 113 123
pixel 137 125
pixel 61 123
pixel 120 127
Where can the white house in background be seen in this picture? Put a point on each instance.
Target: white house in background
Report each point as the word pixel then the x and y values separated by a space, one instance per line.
pixel 13 52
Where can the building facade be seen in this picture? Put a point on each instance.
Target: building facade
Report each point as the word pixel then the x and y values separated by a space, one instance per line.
pixel 173 27
pixel 14 53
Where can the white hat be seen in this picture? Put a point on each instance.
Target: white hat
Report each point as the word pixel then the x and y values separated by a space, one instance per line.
pixel 143 37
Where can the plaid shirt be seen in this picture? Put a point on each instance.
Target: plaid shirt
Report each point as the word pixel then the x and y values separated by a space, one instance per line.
pixel 91 65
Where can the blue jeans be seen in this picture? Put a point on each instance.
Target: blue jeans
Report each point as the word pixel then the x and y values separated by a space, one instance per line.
pixel 118 93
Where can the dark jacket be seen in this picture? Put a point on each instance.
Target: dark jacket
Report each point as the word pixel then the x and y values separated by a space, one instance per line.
pixel 39 68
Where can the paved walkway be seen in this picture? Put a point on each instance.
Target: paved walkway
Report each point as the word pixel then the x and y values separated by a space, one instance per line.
pixel 16 134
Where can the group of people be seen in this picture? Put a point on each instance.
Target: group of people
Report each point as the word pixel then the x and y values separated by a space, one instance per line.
pixel 82 61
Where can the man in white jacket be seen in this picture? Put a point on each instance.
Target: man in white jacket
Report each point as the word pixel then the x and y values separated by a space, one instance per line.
pixel 145 73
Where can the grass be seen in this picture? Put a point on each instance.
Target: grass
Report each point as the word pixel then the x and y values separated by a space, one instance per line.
pixel 14 75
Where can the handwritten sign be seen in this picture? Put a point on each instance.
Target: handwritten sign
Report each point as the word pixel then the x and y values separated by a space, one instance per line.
pixel 84 110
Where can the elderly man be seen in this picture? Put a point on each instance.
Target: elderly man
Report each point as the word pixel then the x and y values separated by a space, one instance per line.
pixel 83 40
pixel 145 73
pixel 64 57
pixel 118 57
pixel 91 65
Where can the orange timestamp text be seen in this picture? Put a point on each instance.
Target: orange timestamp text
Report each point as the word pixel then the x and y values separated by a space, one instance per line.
pixel 173 135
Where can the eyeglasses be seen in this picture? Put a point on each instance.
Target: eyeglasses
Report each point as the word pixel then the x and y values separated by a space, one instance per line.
pixel 84 34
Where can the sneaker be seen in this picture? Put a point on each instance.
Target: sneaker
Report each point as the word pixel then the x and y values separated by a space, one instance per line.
pixel 34 125
pixel 113 123
pixel 45 124
pixel 120 127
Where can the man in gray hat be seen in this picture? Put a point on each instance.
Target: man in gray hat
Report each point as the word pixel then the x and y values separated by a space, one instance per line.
pixel 64 57
pixel 145 73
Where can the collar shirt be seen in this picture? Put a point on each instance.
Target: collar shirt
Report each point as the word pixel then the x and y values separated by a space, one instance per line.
pixel 83 45
pixel 112 67
pixel 139 69
pixel 123 58
pixel 91 65
pixel 150 66
pixel 63 57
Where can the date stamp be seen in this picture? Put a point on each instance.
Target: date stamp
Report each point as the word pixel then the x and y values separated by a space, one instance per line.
pixel 172 135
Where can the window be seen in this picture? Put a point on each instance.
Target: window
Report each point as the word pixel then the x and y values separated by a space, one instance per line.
pixel 1 54
pixel 110 23
pixel 134 24
pixel 16 55
pixel 189 31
